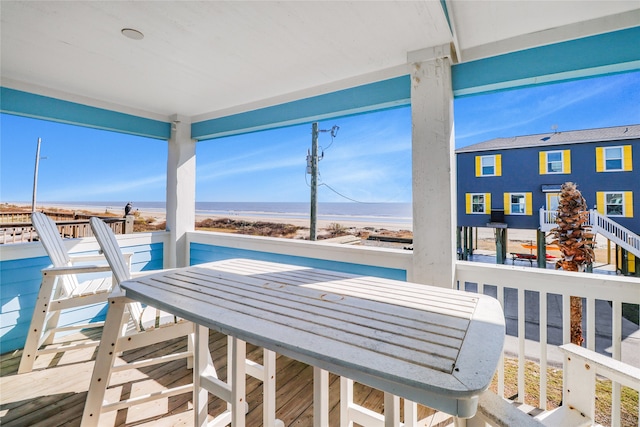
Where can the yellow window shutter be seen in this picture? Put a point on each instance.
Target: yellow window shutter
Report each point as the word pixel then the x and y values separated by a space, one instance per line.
pixel 628 204
pixel 566 158
pixel 487 198
pixel 478 166
pixel 498 164
pixel 600 202
pixel 543 163
pixel 528 209
pixel 626 158
pixel 507 203
pixel 468 202
pixel 599 159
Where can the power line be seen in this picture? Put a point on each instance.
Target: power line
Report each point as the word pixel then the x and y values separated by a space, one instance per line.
pixel 342 195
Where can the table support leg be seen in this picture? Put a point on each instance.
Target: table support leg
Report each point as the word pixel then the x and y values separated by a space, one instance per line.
pixel 346 400
pixel 200 394
pixel 320 397
pixel 391 410
pixel 238 381
pixel 410 414
pixel 269 387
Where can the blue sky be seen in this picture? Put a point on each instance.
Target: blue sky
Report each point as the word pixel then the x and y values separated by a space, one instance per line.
pixel 368 161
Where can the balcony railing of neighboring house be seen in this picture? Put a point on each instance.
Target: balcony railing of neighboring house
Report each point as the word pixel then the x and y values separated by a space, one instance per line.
pixel 15 227
pixel 547 219
pixel 615 232
pixel 600 224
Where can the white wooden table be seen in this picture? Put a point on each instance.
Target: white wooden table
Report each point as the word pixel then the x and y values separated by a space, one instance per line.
pixel 434 346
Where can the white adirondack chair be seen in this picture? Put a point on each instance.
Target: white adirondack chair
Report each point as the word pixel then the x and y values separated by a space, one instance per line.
pixel 60 290
pixel 129 326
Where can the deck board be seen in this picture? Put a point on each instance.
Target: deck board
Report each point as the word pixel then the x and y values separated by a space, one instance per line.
pixel 56 395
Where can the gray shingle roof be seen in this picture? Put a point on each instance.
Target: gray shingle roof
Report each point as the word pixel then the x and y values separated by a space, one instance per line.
pixel 617 133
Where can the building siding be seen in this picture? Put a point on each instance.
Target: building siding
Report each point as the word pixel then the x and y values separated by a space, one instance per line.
pixel 521 172
pixel 20 283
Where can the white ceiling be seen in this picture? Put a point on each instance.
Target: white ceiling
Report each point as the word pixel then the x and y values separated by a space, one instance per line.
pixel 201 59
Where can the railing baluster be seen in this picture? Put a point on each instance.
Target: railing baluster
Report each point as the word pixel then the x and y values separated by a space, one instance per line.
pixel 591 324
pixel 500 296
pixel 521 354
pixel 543 350
pixel 616 353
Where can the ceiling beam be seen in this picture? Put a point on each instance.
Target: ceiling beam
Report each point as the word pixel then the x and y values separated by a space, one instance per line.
pixel 356 100
pixel 27 104
pixel 601 54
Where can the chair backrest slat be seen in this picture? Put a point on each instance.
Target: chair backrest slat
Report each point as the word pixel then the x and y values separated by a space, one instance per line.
pixel 50 239
pixel 112 252
pixel 54 246
pixel 109 245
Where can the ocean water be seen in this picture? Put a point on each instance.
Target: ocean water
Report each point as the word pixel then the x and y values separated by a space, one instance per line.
pixel 392 213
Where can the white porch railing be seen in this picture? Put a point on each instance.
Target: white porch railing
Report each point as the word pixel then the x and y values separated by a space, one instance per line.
pixel 600 224
pixel 535 322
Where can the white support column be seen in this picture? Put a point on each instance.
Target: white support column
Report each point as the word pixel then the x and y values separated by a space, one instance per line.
pixel 434 175
pixel 181 190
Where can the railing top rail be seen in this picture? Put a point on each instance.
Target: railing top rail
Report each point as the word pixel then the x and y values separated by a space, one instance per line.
pixel 588 285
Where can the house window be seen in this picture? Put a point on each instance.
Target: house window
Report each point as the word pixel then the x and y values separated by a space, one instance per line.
pixel 478 203
pixel 517 204
pixel 553 200
pixel 489 165
pixel 554 162
pixel 615 203
pixel 613 159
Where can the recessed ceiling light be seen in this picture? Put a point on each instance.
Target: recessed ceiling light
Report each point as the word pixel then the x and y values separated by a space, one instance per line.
pixel 132 34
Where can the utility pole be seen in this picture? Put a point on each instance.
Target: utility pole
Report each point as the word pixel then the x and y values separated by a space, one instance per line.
pixel 35 177
pixel 314 181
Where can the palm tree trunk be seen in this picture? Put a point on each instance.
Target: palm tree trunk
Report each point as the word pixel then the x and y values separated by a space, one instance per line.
pixel 576 320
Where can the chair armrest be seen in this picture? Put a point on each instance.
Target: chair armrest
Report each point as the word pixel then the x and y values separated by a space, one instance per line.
pixel 97 257
pixel 610 368
pixel 75 269
pixel 86 258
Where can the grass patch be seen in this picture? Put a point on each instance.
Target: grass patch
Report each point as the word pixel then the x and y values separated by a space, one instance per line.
pixel 258 228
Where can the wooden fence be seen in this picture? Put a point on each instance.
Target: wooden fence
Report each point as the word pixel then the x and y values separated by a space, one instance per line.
pixel 15 227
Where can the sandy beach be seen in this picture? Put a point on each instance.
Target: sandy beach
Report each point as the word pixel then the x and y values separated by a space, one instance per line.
pixel 149 219
pixel 159 216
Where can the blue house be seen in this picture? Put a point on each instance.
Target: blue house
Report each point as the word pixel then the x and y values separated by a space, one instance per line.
pixel 515 182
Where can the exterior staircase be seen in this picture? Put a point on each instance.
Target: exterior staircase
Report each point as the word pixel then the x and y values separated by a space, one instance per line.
pixel 599 224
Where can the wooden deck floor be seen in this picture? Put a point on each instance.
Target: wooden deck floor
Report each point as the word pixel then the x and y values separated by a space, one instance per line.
pixel 55 396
